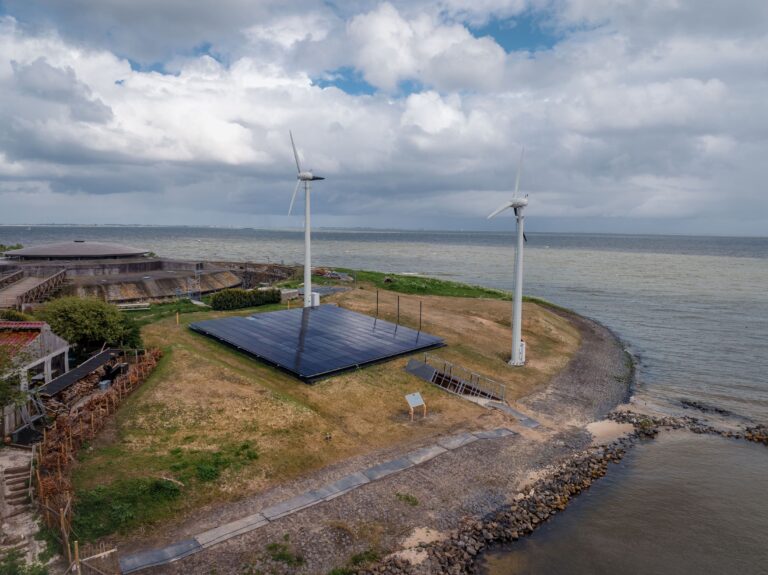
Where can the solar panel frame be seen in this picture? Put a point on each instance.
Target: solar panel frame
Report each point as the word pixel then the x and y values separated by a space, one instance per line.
pixel 315 343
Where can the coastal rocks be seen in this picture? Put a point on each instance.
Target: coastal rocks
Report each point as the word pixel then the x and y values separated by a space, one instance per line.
pixel 649 426
pixel 456 554
pixel 758 434
pixel 703 407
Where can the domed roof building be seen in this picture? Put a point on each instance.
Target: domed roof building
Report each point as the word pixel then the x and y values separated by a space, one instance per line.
pixel 76 250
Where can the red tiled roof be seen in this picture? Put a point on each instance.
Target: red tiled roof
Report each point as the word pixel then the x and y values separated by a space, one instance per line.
pixel 15 335
pixel 16 340
pixel 36 325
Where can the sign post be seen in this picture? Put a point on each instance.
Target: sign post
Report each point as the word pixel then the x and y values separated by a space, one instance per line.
pixel 415 400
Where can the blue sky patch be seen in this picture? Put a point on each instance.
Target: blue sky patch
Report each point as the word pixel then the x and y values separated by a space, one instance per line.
pixel 347 79
pixel 527 32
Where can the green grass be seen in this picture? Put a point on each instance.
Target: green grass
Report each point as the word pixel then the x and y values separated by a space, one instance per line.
pixel 282 552
pixel 364 558
pixel 420 285
pixel 296 282
pixel 158 311
pixel 407 498
pixel 123 504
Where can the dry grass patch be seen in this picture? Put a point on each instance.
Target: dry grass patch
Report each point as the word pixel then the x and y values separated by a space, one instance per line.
pixel 227 425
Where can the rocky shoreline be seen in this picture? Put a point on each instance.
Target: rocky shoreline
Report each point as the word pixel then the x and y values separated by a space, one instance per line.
pixel 535 504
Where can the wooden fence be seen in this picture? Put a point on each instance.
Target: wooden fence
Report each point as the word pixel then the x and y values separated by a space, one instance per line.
pixel 56 453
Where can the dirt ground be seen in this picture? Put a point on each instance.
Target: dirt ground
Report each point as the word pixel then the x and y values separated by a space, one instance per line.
pixel 206 395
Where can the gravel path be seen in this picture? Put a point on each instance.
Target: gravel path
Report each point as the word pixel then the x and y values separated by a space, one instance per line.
pixel 471 481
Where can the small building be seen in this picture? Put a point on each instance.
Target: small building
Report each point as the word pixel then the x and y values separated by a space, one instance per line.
pixel 40 355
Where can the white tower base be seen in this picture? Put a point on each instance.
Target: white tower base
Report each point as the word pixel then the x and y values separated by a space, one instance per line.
pixel 521 359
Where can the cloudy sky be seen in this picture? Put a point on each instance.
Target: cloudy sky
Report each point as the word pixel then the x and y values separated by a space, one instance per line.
pixel 636 116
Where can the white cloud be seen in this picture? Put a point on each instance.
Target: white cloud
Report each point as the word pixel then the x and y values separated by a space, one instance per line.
pixel 643 110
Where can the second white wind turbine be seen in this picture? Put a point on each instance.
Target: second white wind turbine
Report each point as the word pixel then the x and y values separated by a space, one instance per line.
pixel 518 205
pixel 305 177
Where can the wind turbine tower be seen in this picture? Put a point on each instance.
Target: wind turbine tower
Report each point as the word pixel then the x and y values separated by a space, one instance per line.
pixel 306 177
pixel 517 204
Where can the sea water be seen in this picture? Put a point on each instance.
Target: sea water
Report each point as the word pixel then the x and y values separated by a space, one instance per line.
pixel 693 310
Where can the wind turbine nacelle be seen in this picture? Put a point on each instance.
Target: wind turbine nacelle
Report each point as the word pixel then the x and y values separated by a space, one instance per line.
pixel 518 203
pixel 306 176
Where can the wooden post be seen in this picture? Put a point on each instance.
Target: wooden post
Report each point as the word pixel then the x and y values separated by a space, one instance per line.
pixel 77 558
pixel 377 303
pixel 398 310
pixel 65 535
pixel 420 315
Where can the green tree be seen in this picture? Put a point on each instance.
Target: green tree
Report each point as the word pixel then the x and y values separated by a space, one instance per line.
pixel 4 248
pixel 89 323
pixel 9 376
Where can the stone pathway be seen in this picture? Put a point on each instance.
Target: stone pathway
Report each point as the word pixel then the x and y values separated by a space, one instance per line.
pixel 145 559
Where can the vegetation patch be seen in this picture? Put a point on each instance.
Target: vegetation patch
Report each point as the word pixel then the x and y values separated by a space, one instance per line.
pixel 407 498
pixel 421 285
pixel 13 564
pixel 123 504
pixel 239 298
pixel 90 323
pixel 284 553
pixel 364 558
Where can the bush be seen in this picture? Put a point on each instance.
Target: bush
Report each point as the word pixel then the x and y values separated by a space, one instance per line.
pixel 240 298
pixel 89 323
pixel 13 564
pixel 14 315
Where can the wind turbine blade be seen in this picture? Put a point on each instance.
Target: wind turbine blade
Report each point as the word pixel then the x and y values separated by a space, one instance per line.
pixel 519 170
pixel 515 211
pixel 295 154
pixel 500 209
pixel 293 197
pixel 525 238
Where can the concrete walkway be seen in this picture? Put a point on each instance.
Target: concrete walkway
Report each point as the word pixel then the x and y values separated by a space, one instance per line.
pixel 174 552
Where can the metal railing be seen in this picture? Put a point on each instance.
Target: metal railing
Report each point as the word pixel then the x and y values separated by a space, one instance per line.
pixel 462 381
pixel 12 277
pixel 42 290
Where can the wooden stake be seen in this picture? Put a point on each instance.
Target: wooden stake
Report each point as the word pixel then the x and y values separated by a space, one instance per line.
pixel 65 535
pixel 77 558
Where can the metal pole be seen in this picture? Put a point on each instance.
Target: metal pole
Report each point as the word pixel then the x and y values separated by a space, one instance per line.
pixel 419 315
pixel 377 303
pixel 398 310
pixel 517 309
pixel 307 249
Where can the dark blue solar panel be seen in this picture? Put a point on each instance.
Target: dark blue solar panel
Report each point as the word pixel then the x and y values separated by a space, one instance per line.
pixel 317 342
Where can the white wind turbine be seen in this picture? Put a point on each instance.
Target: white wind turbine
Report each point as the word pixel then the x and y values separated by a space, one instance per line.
pixel 518 205
pixel 305 177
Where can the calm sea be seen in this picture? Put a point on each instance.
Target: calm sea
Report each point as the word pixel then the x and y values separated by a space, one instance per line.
pixel 693 310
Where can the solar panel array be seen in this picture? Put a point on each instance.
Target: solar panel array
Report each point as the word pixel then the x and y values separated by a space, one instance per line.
pixel 317 342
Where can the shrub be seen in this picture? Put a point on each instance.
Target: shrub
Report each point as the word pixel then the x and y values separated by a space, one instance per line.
pixel 89 323
pixel 239 298
pixel 14 315
pixel 13 564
